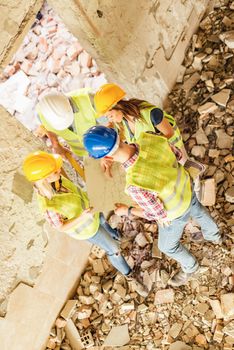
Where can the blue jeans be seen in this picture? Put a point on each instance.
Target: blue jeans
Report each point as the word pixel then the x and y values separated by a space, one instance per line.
pixel 169 237
pixel 103 238
pixel 113 232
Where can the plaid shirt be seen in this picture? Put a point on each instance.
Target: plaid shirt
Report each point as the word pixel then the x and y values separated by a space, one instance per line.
pixel 153 208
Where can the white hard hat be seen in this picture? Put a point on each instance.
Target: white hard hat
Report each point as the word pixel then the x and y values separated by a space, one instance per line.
pixel 57 111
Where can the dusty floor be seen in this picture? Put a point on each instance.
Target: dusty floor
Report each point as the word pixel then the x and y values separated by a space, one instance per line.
pixel 195 317
pixel 50 59
pixel 199 315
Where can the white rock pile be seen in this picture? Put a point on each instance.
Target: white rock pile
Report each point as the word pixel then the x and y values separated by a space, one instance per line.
pixel 49 60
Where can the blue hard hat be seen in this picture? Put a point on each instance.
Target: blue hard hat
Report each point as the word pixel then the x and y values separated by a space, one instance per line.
pixel 99 141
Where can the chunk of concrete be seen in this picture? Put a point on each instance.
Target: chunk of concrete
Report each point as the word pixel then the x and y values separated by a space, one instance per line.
pixel 69 309
pixel 179 345
pixel 229 194
pixel 73 335
pixel 227 304
pixel 216 307
pixel 228 38
pixel 19 183
pixel 118 336
pixel 208 193
pixel 191 82
pixel 201 137
pixel 222 97
pixel 223 139
pixel 164 296
pixel 208 107
pixel 198 151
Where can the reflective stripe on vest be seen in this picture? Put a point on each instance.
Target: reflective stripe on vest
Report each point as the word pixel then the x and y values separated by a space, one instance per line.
pixel 84 119
pixel 72 205
pixel 156 169
pixel 146 125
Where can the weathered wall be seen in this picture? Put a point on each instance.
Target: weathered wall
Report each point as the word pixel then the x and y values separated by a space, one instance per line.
pixel 23 256
pixel 138 44
pixel 16 18
pixel 32 311
pixel 21 238
pixel 31 307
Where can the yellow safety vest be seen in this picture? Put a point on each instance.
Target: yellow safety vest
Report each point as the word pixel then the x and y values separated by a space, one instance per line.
pixel 156 169
pixel 84 119
pixel 146 125
pixel 71 205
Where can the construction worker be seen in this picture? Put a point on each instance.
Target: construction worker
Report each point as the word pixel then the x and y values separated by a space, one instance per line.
pixel 66 116
pixel 134 116
pixel 66 208
pixel 162 189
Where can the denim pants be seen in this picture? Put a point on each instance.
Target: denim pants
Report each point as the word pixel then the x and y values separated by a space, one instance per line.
pixel 113 232
pixel 104 238
pixel 169 237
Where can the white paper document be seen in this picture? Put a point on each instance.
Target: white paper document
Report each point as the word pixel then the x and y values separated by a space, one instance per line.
pixel 104 192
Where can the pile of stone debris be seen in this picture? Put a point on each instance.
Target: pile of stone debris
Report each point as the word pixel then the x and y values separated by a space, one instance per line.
pixel 49 60
pixel 108 313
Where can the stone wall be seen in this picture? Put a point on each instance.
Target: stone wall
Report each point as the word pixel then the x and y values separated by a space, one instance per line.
pixel 138 44
pixel 16 18
pixel 21 237
pixel 25 254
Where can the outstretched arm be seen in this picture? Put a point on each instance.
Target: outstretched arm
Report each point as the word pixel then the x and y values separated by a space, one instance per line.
pixel 149 206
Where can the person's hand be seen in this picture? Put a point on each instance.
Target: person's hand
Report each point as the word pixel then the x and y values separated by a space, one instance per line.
pixel 87 213
pixel 40 131
pixel 60 150
pixel 89 210
pixel 164 223
pixel 106 165
pixel 121 209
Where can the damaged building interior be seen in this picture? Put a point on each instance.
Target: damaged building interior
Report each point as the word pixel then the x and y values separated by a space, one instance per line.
pixel 58 291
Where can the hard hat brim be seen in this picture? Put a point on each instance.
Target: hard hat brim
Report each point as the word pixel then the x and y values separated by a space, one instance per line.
pixel 32 171
pixel 103 111
pixel 59 161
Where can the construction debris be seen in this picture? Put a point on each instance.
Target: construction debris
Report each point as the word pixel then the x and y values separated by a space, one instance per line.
pixel 118 336
pixel 200 314
pixel 50 60
pixel 208 192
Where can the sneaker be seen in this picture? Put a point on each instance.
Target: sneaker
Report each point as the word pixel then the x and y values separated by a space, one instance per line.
pixel 137 286
pixel 181 278
pixel 197 237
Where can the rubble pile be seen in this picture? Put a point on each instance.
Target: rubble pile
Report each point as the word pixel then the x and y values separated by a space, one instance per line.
pixel 49 60
pixel 203 105
pixel 106 311
pixel 198 315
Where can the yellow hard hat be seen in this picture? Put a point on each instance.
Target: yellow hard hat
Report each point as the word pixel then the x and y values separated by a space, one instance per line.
pixel 39 165
pixel 107 96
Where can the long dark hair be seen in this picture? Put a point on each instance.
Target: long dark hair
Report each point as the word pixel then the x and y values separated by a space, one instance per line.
pixel 132 107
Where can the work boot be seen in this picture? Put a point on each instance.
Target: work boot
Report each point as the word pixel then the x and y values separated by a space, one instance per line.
pixel 181 278
pixel 218 241
pixel 197 237
pixel 137 286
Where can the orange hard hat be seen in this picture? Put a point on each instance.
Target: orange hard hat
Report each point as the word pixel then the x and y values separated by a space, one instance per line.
pixel 107 96
pixel 39 165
